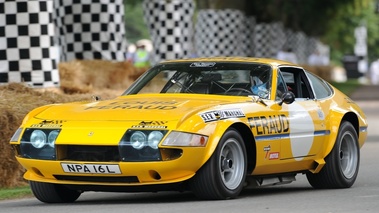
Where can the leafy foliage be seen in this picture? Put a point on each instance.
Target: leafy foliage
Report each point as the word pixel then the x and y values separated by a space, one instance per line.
pixel 135 26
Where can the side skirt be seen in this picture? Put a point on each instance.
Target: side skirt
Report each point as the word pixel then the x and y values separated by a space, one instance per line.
pixel 272 180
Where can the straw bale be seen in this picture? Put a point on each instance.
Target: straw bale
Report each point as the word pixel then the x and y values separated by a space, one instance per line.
pixel 80 80
pixel 16 100
pixel 83 76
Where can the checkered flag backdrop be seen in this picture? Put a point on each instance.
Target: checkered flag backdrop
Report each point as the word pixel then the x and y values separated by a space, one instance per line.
pixel 269 39
pixel 298 41
pixel 220 33
pixel 90 29
pixel 170 26
pixel 248 37
pixel 27 52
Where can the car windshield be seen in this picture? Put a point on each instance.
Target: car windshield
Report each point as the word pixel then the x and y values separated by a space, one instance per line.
pixel 205 78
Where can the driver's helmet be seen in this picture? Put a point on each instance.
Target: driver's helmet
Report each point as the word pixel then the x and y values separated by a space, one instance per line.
pixel 259 87
pixel 260 90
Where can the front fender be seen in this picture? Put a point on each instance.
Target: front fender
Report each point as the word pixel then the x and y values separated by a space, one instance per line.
pixel 219 130
pixel 34 113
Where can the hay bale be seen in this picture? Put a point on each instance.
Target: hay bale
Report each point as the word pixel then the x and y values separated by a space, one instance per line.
pixel 16 101
pixel 83 76
pixel 80 80
pixel 11 171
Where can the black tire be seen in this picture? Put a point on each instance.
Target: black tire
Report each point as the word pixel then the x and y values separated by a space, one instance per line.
pixel 342 164
pixel 223 176
pixel 53 193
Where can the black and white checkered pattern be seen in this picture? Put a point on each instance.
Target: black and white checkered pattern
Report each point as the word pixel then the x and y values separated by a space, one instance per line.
pixel 262 40
pixel 220 32
pixel 27 53
pixel 170 26
pixel 248 37
pixel 188 8
pixel 278 38
pixel 90 29
pixel 299 43
pixel 314 44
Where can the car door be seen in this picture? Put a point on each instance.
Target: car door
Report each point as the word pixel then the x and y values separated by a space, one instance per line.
pixel 305 117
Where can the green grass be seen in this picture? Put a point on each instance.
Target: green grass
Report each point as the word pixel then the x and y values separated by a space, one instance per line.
pixel 347 87
pixel 13 193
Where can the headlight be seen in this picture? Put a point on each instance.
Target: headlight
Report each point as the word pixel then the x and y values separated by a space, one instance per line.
pixel 138 140
pixel 185 139
pixel 52 137
pixel 39 143
pixel 141 145
pixel 154 138
pixel 38 138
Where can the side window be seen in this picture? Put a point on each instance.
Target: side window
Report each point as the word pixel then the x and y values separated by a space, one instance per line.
pixel 297 82
pixel 281 87
pixel 320 87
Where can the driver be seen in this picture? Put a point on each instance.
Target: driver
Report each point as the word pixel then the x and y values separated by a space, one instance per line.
pixel 260 90
pixel 260 85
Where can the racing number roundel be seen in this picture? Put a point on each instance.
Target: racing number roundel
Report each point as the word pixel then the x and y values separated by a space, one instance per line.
pixel 301 130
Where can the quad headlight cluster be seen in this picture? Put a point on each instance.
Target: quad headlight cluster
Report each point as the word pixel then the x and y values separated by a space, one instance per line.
pixel 142 145
pixel 39 138
pixel 39 143
pixel 140 139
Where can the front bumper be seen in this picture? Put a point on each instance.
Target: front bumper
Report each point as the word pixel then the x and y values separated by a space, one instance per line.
pixel 131 173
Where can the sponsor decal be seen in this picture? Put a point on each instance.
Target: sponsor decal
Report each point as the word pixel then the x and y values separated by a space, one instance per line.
pixel 151 125
pixel 269 124
pixel 270 155
pixel 48 124
pixel 267 150
pixel 202 64
pixel 273 155
pixel 148 105
pixel 222 114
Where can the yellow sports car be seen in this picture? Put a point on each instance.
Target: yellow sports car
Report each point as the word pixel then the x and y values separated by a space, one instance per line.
pixel 209 125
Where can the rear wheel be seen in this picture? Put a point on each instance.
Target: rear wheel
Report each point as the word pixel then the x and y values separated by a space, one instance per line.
pixel 224 174
pixel 342 164
pixel 53 193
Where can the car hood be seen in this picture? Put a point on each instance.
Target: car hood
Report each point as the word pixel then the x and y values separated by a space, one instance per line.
pixel 135 107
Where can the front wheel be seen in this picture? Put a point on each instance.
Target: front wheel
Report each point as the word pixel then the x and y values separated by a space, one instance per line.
pixel 53 193
pixel 342 164
pixel 224 174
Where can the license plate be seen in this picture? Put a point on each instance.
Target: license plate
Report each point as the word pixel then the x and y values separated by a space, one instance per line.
pixel 91 168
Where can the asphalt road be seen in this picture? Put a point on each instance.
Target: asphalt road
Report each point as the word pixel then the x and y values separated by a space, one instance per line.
pixel 298 196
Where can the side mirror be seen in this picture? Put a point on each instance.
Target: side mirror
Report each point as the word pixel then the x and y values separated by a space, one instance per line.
pixel 287 98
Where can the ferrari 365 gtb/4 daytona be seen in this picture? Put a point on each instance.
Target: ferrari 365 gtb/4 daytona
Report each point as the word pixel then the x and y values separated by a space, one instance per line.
pixel 209 125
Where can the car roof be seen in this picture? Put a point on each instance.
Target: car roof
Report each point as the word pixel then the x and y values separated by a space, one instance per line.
pixel 270 61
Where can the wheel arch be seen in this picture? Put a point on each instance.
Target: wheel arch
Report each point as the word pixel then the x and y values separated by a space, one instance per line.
pixel 348 116
pixel 249 142
pixel 353 119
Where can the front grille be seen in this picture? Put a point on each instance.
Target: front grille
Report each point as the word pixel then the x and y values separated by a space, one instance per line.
pixel 123 179
pixel 121 153
pixel 89 153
